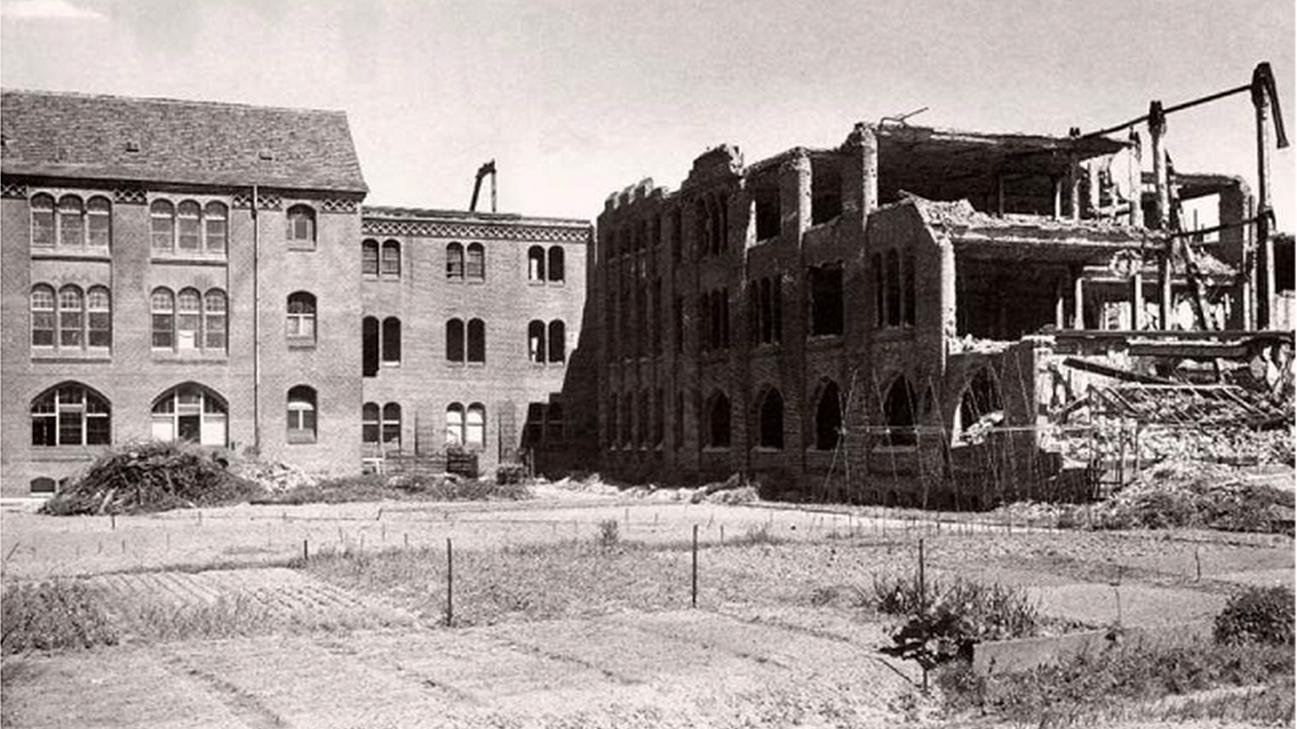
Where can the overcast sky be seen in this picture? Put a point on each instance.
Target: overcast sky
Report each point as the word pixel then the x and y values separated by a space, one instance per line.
pixel 576 99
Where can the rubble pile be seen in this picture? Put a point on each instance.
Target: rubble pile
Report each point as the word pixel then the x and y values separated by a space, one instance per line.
pixel 154 476
pixel 274 477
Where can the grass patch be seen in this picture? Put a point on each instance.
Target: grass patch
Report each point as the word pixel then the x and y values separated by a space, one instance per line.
pixel 52 615
pixel 1120 680
pixel 233 616
pixel 412 488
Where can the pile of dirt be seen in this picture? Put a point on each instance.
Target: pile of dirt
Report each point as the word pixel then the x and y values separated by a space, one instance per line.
pixel 1194 494
pixel 155 476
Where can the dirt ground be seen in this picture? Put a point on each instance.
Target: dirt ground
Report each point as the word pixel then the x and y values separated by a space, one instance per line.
pixel 776 639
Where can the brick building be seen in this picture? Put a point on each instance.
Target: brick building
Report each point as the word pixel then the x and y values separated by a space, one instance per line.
pixel 838 320
pixel 206 272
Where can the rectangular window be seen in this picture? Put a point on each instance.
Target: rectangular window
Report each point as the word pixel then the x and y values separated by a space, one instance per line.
pixel 216 235
pixel 69 427
pixel 72 233
pixel 369 260
pixel 97 430
pixel 162 233
pixel 43 328
pixel 43 228
pixel 70 328
pixel 101 329
pixel 100 226
pixel 187 326
pixel 190 233
pixel 826 301
pixel 215 332
pixel 162 327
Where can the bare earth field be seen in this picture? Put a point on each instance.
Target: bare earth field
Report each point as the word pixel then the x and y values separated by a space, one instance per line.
pixel 222 623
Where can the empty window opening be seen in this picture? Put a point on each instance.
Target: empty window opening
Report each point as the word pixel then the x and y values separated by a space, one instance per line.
pixel 190 413
pixel 826 301
pixel 455 262
pixel 536 341
pixel 828 418
pixel 476 341
pixel 771 426
pixel 826 191
pixel 475 426
pixel 677 236
pixel 535 264
pixel 392 425
pixel 557 266
pixel 369 346
pixel 768 215
pixel 981 398
pixel 557 341
pixel 880 297
pixel 454 425
pixel 718 421
pixel 370 423
pixel 391 341
pixel 907 290
pixel 898 413
pixel 893 287
pixel 455 340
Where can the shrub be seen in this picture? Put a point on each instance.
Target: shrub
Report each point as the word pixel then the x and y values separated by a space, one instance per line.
pixel 954 617
pixel 152 476
pixel 52 615
pixel 510 473
pixel 757 534
pixel 1257 615
pixel 609 534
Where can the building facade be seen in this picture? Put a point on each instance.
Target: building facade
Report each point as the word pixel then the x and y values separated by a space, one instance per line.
pixel 205 272
pixel 836 322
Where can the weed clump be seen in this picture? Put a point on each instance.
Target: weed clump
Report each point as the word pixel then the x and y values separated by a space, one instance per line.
pixel 153 476
pixel 952 617
pixel 1262 615
pixel 609 534
pixel 52 615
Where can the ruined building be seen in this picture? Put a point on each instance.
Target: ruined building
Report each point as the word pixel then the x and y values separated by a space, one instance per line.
pixel 901 319
pixel 206 272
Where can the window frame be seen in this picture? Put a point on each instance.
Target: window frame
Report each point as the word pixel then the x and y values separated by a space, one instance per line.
pixel 300 227
pixel 302 406
pixel 90 407
pixel 295 321
pixel 394 271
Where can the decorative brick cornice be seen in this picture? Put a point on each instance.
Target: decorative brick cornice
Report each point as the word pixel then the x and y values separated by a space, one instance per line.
pixel 265 201
pixel 477 231
pixel 130 196
pixel 338 205
pixel 10 189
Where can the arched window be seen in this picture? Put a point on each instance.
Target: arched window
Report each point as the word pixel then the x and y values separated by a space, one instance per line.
pixel 828 417
pixel 718 421
pixel 771 426
pixel 99 317
pixel 71 221
pixel 557 341
pixel 898 412
pixel 369 346
pixel 454 261
pixel 556 264
pixel 189 319
pixel 162 220
pixel 391 258
pixel 42 210
pixel 301 225
pixel 455 424
pixel 535 263
pixel 476 341
pixel 391 340
pixel 99 222
pixel 893 288
pixel 370 425
pixel 215 320
pixel 475 269
pixel 980 398
pixel 475 426
pixel 301 415
pixel 455 340
pixel 191 413
pixel 301 317
pixel 189 229
pixel 214 224
pixel 43 317
pixel 392 424
pixel 880 293
pixel 536 340
pixel 163 306
pixel 369 257
pixel 70 415
pixel 71 316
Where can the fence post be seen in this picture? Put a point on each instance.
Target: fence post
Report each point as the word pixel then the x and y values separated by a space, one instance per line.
pixel 923 603
pixel 450 583
pixel 306 550
pixel 693 598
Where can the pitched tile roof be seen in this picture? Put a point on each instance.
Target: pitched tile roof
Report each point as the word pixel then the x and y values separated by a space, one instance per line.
pixel 169 140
